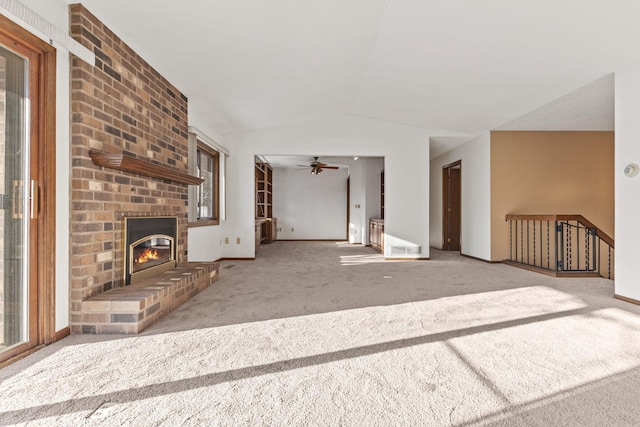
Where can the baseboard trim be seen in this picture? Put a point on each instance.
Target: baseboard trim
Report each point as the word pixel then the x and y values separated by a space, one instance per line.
pixel 480 259
pixel 62 333
pixel 552 273
pixel 627 299
pixel 407 259
pixel 20 356
pixel 312 240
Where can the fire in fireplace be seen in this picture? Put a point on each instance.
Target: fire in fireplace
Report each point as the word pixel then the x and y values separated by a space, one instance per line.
pixel 150 246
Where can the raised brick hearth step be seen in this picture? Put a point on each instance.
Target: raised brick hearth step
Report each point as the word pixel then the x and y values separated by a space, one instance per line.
pixel 131 309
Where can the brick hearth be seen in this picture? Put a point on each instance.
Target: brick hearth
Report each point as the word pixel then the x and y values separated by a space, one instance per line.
pixel 131 309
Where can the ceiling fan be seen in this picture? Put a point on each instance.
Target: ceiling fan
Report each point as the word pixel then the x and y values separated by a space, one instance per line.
pixel 317 167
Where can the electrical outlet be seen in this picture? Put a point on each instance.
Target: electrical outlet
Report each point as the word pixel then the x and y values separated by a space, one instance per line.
pixel 237 240
pixel 291 228
pixel 226 240
pixel 280 229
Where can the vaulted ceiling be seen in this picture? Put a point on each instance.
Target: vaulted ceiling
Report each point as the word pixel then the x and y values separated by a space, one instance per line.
pixel 459 66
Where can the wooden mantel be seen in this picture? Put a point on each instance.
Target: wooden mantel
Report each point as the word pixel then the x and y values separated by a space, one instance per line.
pixel 126 163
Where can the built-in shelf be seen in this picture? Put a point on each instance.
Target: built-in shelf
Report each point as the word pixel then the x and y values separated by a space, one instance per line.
pixel 266 225
pixel 126 163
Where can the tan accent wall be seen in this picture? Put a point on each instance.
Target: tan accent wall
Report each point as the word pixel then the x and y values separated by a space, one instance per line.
pixel 550 173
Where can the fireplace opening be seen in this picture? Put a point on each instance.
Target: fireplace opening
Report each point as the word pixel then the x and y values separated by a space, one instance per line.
pixel 150 252
pixel 150 247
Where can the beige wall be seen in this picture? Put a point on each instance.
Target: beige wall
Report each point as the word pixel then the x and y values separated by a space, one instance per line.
pixel 550 173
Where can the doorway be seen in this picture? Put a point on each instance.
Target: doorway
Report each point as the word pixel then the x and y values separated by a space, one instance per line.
pixel 27 191
pixel 451 206
pixel 348 206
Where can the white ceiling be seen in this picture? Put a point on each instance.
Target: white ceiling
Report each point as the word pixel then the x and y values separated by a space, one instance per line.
pixel 303 162
pixel 460 66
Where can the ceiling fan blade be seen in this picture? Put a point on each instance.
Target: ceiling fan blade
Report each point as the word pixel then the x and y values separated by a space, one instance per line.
pixel 330 167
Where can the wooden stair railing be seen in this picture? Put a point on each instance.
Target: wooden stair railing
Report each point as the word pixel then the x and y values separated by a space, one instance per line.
pixel 559 245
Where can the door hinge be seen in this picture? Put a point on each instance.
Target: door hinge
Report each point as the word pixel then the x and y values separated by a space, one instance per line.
pixel 4 201
pixel 448 209
pixel 448 240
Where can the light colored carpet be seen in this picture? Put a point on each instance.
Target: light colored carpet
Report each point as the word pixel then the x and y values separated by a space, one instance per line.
pixel 321 333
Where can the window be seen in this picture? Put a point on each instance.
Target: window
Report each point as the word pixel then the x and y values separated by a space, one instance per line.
pixel 207 193
pixel 207 161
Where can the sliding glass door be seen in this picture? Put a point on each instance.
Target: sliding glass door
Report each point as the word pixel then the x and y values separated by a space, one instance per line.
pixel 14 191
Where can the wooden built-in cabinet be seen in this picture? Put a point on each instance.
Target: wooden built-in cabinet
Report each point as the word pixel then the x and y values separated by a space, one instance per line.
pixel 266 226
pixel 376 234
pixel 266 230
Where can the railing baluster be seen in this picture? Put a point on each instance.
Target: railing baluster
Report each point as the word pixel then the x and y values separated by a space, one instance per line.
pixel 521 242
pixel 578 245
pixel 541 254
pixel 586 249
pixel 528 243
pixel 511 239
pixel 548 251
pixel 569 248
pixel 534 243
pixel 599 253
pixel 518 242
pixel 559 246
pixel 594 251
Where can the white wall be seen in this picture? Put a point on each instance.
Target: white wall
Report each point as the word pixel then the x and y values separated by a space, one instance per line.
pixel 627 190
pixel 310 207
pixel 406 152
pixel 372 170
pixel 358 229
pixel 57 14
pixel 206 243
pixel 476 196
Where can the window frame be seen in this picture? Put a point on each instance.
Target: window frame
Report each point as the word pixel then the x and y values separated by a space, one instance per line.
pixel 215 188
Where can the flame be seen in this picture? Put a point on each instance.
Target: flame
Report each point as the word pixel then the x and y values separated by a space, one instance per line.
pixel 147 255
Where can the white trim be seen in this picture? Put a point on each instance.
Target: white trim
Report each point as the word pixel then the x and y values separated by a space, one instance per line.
pixel 37 22
pixel 206 139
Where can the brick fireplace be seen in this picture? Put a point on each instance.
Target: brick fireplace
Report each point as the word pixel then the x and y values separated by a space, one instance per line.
pixel 120 106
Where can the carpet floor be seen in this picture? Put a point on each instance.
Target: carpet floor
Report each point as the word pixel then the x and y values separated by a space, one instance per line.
pixel 330 334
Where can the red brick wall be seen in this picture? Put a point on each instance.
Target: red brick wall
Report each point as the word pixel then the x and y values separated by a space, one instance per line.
pixel 119 105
